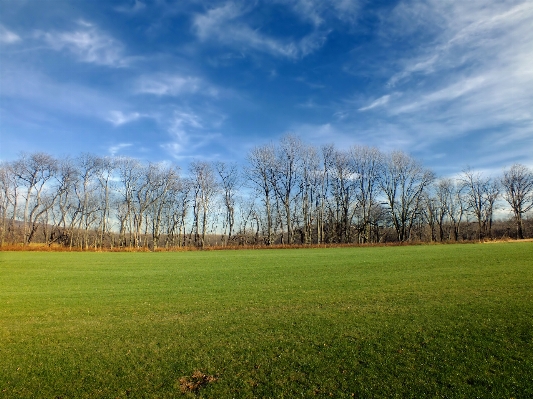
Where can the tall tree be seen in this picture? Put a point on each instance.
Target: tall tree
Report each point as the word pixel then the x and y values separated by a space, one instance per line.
pixel 229 182
pixel 129 173
pixel 403 181
pixel 368 167
pixel 260 171
pixel 105 170
pixel 34 171
pixel 285 180
pixel 517 185
pixel 10 187
pixel 480 195
pixel 205 188
pixel 343 189
pixel 310 180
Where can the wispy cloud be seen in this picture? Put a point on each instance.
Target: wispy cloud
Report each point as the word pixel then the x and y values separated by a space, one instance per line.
pixel 318 12
pixel 89 44
pixel 472 74
pixel 173 85
pixel 377 103
pixel 7 36
pixel 223 24
pixel 114 149
pixel 119 118
pixel 40 93
pixel 131 8
pixel 465 35
pixel 189 131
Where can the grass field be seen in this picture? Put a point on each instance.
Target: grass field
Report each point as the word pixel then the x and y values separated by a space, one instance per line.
pixel 451 321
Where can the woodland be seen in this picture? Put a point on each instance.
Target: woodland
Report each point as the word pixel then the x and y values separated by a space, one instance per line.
pixel 287 193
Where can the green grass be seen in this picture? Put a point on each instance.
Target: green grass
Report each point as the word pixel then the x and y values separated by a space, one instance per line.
pixel 451 321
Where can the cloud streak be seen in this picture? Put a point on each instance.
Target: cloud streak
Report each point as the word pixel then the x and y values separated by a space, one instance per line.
pixel 224 25
pixel 88 44
pixel 7 36
pixel 377 103
pixel 118 118
pixel 174 85
pixel 189 132
pixel 474 74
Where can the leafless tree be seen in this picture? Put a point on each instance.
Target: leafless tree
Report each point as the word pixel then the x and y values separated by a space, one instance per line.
pixel 480 194
pixel 65 216
pixel 343 190
pixel 129 173
pixel 34 171
pixel 260 173
pixel 323 177
pixel 443 198
pixel 285 179
pixel 403 182
pixel 10 188
pixel 165 186
pixel 104 174
pixel 229 183
pixel 205 187
pixel 86 193
pixel 517 185
pixel 305 205
pixel 368 167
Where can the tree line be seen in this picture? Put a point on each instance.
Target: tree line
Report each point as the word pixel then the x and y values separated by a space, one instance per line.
pixel 287 192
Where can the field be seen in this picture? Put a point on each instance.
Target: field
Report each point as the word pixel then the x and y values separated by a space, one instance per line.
pixel 451 321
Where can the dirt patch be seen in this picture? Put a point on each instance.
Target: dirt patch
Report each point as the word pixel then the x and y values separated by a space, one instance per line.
pixel 194 382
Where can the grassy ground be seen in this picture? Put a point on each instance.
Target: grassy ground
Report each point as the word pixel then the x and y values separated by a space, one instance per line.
pixel 424 321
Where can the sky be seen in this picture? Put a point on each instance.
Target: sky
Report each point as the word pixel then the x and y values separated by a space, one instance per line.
pixel 449 82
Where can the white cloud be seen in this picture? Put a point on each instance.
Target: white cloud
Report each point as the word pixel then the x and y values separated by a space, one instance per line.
pixel 7 36
pixel 465 33
pixel 189 132
pixel 473 73
pixel 131 8
pixel 377 103
pixel 114 149
pixel 424 66
pixel 89 44
pixel 48 97
pixel 172 85
pixel 320 12
pixel 118 118
pixel 223 24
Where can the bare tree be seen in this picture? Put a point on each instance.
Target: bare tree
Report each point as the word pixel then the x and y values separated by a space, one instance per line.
pixel 517 184
pixel 343 189
pixel 229 182
pixel 285 179
pixel 443 201
pixel 205 188
pixel 153 183
pixel 311 177
pixel 10 187
pixel 403 181
pixel 104 173
pixel 323 177
pixel 368 167
pixel 480 195
pixel 34 171
pixel 129 176
pixel 165 185
pixel 86 192
pixel 260 172
pixel 67 211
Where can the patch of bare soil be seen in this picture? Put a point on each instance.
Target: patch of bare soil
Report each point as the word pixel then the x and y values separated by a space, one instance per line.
pixel 194 382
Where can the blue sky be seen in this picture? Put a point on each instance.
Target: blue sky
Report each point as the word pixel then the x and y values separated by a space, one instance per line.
pixel 450 82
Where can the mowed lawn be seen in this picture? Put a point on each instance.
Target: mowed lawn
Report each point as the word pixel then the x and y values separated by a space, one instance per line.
pixel 451 321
